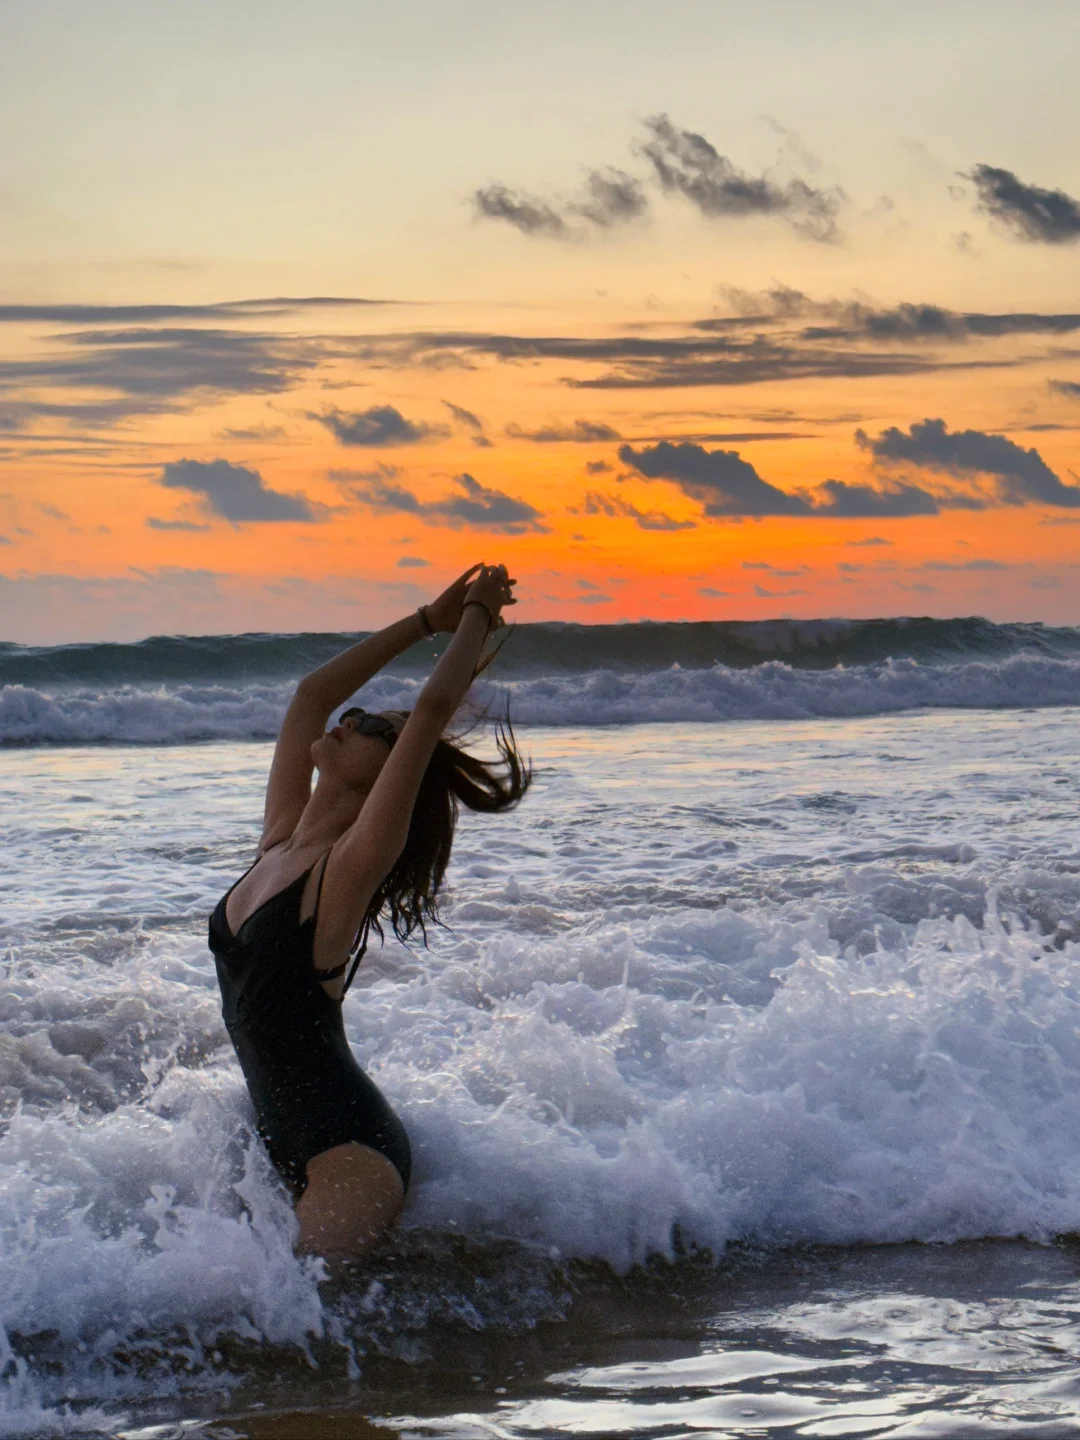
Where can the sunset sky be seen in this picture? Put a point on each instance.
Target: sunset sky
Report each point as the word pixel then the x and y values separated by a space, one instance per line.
pixel 686 311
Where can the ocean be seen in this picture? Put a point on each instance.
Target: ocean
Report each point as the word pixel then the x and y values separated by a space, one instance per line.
pixel 743 1080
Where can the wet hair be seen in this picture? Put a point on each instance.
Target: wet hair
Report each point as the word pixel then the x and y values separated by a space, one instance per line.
pixel 409 896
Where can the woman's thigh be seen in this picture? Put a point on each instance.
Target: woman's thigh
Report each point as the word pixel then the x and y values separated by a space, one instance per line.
pixel 353 1194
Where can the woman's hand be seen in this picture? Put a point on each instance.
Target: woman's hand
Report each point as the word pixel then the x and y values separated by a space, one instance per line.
pixel 493 589
pixel 445 612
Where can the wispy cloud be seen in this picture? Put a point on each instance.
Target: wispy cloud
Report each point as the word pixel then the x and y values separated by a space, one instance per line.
pixel 687 164
pixel 582 432
pixel 615 507
pixel 1027 212
pixel 474 506
pixel 378 426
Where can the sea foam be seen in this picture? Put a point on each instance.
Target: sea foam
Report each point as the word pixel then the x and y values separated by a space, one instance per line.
pixel 773 690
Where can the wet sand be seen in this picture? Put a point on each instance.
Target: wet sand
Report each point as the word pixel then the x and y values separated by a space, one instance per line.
pixel 914 1340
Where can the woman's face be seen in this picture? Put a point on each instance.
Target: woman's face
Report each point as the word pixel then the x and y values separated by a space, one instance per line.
pixel 349 758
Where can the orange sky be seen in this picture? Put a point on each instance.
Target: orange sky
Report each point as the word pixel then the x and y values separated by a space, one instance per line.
pixel 145 452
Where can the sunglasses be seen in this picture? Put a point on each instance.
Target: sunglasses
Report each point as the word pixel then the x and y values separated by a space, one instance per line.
pixel 364 723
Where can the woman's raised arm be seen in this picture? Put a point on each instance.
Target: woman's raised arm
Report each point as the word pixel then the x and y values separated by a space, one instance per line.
pixel 319 694
pixel 366 853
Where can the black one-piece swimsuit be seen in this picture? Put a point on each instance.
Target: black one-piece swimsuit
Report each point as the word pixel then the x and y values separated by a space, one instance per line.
pixel 309 1093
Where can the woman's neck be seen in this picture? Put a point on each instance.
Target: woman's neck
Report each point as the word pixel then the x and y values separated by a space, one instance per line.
pixel 327 815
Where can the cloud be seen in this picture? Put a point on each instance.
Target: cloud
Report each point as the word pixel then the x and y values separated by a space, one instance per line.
pixel 773 569
pixel 1023 476
pixel 687 164
pixel 379 425
pixel 721 480
pixel 898 500
pixel 412 562
pixel 1069 388
pixel 764 594
pixel 614 506
pixel 153 523
pixel 870 540
pixel 487 509
pixel 265 433
pixel 612 197
pixel 726 485
pixel 583 432
pixel 1031 213
pixel 597 467
pixel 854 320
pixel 524 212
pixel 471 422
pixel 475 507
pixel 964 565
pixel 155 314
pixel 153 371
pixel 712 593
pixel 235 492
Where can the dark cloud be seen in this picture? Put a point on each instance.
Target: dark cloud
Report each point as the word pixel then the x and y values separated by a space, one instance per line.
pixel 871 540
pixel 1069 388
pixel 729 437
pixel 464 417
pixel 378 490
pixel 713 593
pixel 1029 212
pixel 153 523
pixel 640 362
pixel 235 492
pixel 1022 476
pixel 583 432
pixel 471 422
pixel 475 507
pixel 614 506
pixel 379 425
pixel 524 212
pixel 412 562
pixel 720 480
pixel 153 314
pixel 841 500
pixel 764 594
pixel 485 509
pixel 853 320
pixel 774 570
pixel 612 197
pixel 167 364
pixel 687 164
pixel 597 467
pixel 727 485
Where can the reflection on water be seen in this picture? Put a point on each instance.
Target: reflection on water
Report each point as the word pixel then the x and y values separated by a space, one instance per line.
pixel 913 1341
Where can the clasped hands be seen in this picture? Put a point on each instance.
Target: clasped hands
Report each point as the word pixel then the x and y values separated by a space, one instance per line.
pixel 487 585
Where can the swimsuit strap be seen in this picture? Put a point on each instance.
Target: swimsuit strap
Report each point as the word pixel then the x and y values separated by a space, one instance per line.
pixel 352 964
pixel 358 953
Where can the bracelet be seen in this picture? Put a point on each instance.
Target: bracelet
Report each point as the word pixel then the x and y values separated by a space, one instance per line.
pixel 425 623
pixel 487 612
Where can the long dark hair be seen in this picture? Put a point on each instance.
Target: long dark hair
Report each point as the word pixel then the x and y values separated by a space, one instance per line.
pixel 409 896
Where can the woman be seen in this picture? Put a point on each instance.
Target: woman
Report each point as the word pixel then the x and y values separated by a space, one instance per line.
pixel 374 836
